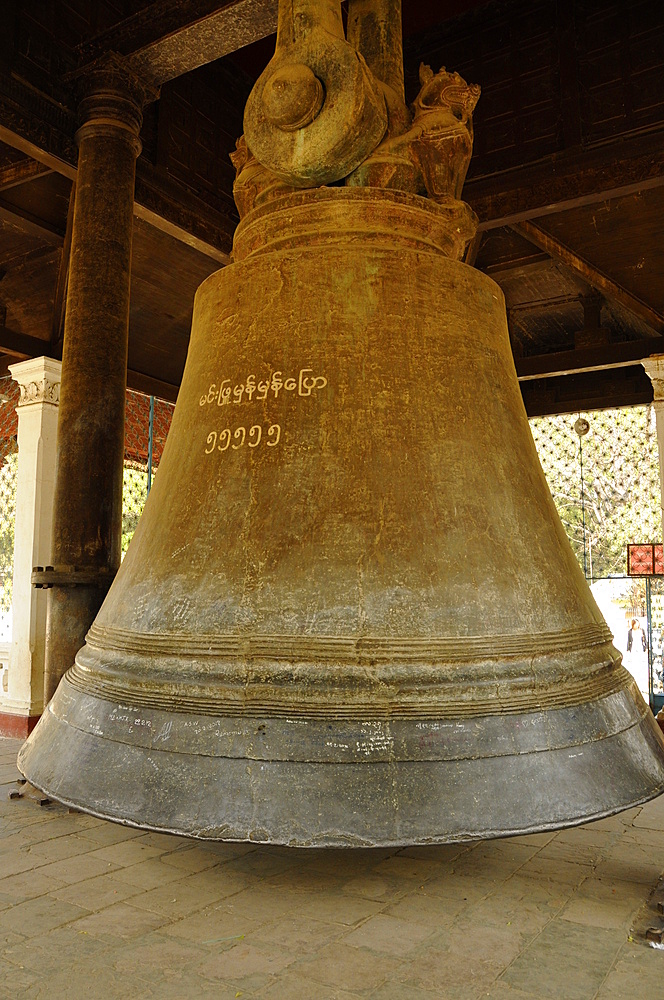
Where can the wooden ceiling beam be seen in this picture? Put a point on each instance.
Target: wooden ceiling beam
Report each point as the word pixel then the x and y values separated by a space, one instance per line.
pixel 140 382
pixel 30 225
pixel 172 37
pixel 595 278
pixel 473 249
pixel 166 206
pixel 595 390
pixel 23 346
pixel 17 258
pixel 527 264
pixel 25 170
pixel 545 304
pixel 567 180
pixel 155 21
pixel 587 359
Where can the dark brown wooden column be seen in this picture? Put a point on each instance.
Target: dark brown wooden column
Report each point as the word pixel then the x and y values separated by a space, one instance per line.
pixel 87 522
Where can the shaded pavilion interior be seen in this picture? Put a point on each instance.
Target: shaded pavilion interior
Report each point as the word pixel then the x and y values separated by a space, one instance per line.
pixel 565 181
pixel 566 178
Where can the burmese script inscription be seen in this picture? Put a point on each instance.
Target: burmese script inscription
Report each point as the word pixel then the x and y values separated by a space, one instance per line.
pixel 224 393
pixel 222 440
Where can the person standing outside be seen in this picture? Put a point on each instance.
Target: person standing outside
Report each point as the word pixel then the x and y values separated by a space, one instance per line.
pixel 636 659
pixel 633 635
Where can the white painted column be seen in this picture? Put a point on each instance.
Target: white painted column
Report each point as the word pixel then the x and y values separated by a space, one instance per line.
pixel 22 698
pixel 654 367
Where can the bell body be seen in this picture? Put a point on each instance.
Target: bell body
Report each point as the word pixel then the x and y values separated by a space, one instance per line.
pixel 350 614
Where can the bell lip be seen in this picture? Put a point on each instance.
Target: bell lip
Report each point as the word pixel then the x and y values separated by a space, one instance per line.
pixel 348 843
pixel 380 804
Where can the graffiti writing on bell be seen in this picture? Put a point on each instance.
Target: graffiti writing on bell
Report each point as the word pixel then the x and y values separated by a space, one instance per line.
pixel 223 394
pixel 252 438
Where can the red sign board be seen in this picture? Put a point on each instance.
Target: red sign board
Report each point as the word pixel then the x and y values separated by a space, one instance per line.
pixel 645 560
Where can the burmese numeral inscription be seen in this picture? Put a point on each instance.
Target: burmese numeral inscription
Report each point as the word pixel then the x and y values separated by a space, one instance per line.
pixel 223 440
pixel 224 393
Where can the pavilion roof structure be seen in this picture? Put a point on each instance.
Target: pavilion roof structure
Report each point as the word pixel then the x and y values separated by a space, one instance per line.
pixel 567 176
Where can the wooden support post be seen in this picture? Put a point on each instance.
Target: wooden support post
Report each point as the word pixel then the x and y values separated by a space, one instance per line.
pixel 87 516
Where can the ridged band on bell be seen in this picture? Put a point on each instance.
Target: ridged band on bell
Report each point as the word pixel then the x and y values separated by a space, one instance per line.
pixel 350 614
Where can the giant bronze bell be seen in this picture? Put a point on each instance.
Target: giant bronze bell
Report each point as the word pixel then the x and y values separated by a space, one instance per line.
pixel 350 614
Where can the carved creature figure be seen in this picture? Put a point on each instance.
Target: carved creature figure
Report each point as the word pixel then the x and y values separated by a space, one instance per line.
pixel 254 184
pixel 442 142
pixel 329 109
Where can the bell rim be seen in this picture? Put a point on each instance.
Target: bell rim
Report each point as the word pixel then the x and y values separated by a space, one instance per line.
pixel 405 737
pixel 352 804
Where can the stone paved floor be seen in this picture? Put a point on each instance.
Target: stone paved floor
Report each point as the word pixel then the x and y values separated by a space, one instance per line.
pixel 91 909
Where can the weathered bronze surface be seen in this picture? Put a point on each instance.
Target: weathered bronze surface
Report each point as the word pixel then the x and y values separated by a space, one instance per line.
pixel 350 614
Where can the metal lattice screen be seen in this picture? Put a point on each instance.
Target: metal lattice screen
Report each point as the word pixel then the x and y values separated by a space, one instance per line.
pixel 147 424
pixel 9 395
pixel 604 481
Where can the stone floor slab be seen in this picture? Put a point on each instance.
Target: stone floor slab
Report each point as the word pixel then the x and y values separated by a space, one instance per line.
pixel 37 916
pixel 397 991
pixel 119 922
pixel 296 936
pixel 27 885
pixel 389 935
pixel 637 974
pixel 156 917
pixel 339 965
pixel 77 869
pixel 244 960
pixel 177 899
pixel 291 986
pixel 566 959
pixel 95 893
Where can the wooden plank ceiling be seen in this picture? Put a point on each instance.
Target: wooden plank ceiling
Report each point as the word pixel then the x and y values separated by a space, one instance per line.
pixel 567 176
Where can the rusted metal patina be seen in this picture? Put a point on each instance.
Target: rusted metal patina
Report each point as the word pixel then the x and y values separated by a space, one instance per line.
pixel 350 614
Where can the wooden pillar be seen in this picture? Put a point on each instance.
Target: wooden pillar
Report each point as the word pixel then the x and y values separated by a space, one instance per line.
pixel 87 515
